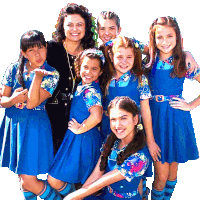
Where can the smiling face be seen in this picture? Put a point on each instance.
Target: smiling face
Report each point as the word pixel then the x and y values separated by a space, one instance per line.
pixel 123 60
pixel 90 70
pixel 36 56
pixel 74 26
pixel 165 38
pixel 107 29
pixel 122 124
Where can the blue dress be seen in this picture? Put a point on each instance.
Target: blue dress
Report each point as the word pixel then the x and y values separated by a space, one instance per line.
pixel 132 169
pixel 172 128
pixel 78 154
pixel 127 85
pixel 25 134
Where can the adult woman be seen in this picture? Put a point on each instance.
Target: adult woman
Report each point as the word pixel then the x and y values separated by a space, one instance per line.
pixel 73 34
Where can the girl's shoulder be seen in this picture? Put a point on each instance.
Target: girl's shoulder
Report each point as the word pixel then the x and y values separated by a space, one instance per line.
pixel 12 68
pixel 135 165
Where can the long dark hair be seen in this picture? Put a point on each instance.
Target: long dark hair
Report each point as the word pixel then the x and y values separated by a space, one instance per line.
pixel 179 69
pixel 138 142
pixel 28 40
pixel 72 8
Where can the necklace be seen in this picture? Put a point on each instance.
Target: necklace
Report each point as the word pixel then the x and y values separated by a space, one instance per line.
pixel 73 77
pixel 77 50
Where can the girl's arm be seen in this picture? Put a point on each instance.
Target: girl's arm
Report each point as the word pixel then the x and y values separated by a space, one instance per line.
pixel 36 94
pixel 182 104
pixel 147 121
pixel 92 187
pixel 190 62
pixel 96 174
pixel 95 118
pixel 18 96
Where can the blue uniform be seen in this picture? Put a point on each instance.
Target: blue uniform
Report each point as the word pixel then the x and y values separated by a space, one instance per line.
pixel 132 169
pixel 78 154
pixel 172 128
pixel 127 85
pixel 25 134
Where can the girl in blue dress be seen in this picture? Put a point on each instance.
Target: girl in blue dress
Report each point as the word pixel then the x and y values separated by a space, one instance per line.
pixel 172 122
pixel 124 158
pixel 127 79
pixel 79 152
pixel 25 133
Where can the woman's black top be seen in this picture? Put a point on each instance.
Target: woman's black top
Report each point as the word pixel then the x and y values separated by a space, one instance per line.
pixel 58 106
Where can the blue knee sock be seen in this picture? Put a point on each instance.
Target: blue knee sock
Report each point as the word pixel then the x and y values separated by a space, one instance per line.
pixel 65 189
pixel 49 193
pixel 145 190
pixel 157 195
pixel 29 195
pixel 169 188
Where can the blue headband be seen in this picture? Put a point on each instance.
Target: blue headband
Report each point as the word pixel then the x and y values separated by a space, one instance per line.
pixel 97 52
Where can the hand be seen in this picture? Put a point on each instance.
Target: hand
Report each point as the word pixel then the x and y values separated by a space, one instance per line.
pixel 191 63
pixel 20 95
pixel 42 72
pixel 180 104
pixel 154 150
pixel 73 126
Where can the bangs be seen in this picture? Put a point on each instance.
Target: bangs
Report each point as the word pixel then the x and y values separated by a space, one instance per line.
pixel 32 39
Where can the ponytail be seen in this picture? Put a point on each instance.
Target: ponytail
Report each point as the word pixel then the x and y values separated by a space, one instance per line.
pixel 21 70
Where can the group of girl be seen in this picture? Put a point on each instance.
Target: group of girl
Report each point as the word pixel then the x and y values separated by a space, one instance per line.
pixel 114 98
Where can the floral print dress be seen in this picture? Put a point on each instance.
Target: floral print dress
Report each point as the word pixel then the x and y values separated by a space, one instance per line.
pixel 26 144
pixel 133 169
pixel 78 154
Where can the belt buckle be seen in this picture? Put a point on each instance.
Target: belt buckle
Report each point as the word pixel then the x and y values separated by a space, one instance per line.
pixel 160 98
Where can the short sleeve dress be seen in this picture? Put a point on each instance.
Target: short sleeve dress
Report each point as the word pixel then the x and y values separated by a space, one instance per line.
pixel 172 128
pixel 78 154
pixel 26 144
pixel 133 169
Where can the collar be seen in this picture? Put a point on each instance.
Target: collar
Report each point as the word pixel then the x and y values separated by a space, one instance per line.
pixel 168 60
pixel 81 87
pixel 125 77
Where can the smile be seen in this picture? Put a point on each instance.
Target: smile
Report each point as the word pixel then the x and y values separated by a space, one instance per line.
pixel 74 34
pixel 123 67
pixel 166 47
pixel 119 131
pixel 88 77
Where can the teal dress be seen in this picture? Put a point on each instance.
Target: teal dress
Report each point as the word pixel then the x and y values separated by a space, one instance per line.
pixel 25 134
pixel 132 169
pixel 78 154
pixel 172 128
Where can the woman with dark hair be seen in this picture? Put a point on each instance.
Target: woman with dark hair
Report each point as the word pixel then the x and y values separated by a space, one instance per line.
pixel 124 157
pixel 73 34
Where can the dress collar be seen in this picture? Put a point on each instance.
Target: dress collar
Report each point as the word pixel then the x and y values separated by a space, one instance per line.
pixel 168 60
pixel 81 87
pixel 125 77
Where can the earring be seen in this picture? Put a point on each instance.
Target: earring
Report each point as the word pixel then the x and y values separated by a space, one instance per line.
pixel 139 127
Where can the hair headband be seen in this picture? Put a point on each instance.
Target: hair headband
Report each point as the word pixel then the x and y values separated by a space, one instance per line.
pixel 97 52
pixel 110 43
